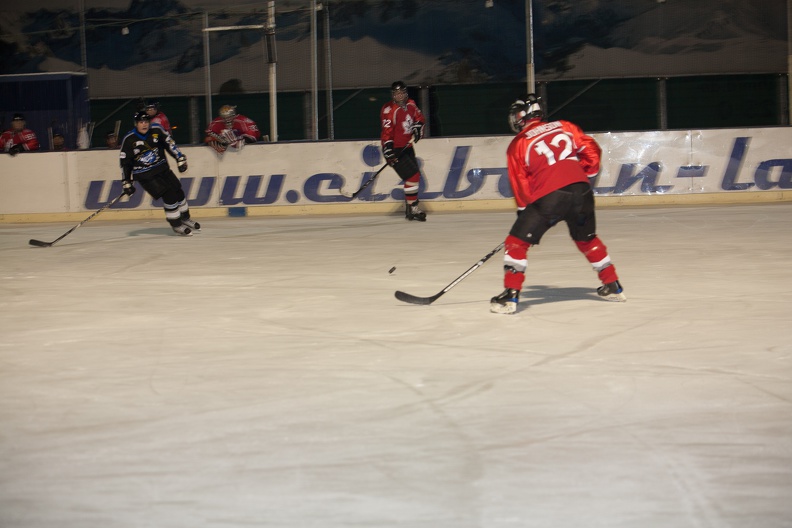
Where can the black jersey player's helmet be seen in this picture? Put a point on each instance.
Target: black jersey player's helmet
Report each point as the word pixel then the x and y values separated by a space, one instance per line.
pixel 141 116
pixel 523 110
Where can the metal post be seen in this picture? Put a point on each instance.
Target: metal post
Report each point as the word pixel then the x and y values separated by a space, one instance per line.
pixel 207 70
pixel 789 60
pixel 83 50
pixel 328 73
pixel 195 125
pixel 662 103
pixel 273 76
pixel 529 46
pixel 427 111
pixel 314 76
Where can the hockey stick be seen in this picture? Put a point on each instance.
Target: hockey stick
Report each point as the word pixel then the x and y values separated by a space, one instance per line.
pixel 406 297
pixel 362 187
pixel 39 243
pixel 371 180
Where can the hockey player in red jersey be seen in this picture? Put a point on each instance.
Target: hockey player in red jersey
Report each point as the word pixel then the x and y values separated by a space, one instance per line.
pixel 232 130
pixel 549 165
pixel 402 125
pixel 18 138
pixel 157 116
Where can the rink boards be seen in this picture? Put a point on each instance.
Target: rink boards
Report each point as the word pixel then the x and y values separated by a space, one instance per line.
pixel 461 173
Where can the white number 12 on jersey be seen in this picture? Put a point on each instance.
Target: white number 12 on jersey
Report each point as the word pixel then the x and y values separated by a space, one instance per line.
pixel 543 149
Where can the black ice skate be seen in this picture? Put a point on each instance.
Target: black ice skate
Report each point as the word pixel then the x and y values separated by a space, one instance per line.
pixel 194 226
pixel 413 212
pixel 612 291
pixel 183 230
pixel 506 302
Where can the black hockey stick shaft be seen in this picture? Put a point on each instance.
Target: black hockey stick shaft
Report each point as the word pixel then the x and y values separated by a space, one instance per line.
pixel 368 182
pixel 39 243
pixel 371 180
pixel 413 299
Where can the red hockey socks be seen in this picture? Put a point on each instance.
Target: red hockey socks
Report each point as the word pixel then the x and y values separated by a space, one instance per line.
pixel 515 261
pixel 411 186
pixel 597 254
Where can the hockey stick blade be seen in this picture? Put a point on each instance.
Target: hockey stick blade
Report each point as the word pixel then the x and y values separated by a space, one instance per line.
pixel 413 299
pixel 39 243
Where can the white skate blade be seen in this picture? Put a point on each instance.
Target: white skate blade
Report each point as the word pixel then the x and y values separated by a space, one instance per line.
pixel 508 308
pixel 614 297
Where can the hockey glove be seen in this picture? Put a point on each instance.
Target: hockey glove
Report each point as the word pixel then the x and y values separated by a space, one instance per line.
pixel 129 188
pixel 182 163
pixel 16 149
pixel 417 132
pixel 219 147
pixel 388 152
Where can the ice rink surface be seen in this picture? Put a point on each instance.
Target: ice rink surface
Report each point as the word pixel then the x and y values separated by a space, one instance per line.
pixel 262 373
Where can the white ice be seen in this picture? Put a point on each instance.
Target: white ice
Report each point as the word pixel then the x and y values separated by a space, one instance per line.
pixel 262 374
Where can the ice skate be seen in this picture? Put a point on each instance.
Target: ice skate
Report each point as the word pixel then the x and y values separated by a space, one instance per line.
pixel 506 302
pixel 612 291
pixel 194 226
pixel 182 230
pixel 413 212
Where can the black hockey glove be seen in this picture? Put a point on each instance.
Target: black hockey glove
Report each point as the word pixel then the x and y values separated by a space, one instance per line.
pixel 129 188
pixel 16 149
pixel 388 152
pixel 182 163
pixel 417 132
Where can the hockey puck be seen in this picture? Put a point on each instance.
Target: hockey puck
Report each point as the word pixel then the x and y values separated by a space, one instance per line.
pixel 392 269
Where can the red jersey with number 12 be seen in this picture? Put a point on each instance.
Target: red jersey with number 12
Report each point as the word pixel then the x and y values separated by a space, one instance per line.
pixel 545 157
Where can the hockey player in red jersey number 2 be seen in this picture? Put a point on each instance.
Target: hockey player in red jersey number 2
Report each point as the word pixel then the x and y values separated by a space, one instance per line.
pixel 402 125
pixel 549 165
pixel 231 130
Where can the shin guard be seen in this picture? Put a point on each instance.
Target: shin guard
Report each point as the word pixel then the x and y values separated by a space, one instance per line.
pixel 597 254
pixel 515 260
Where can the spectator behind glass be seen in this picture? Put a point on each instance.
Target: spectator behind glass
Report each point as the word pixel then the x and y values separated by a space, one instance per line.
pixel 231 130
pixel 18 138
pixel 111 140
pixel 58 142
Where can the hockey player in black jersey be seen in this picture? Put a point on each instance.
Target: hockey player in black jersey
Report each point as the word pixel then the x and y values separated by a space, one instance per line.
pixel 143 160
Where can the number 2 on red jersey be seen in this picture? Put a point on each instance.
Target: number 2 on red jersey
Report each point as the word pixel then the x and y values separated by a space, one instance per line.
pixel 558 148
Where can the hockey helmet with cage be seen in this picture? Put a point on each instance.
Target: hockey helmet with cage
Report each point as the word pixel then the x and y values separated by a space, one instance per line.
pixel 228 113
pixel 523 110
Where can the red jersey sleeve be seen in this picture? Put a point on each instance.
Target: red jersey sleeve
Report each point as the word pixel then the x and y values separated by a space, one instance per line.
pixel 588 151
pixel 247 127
pixel 386 122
